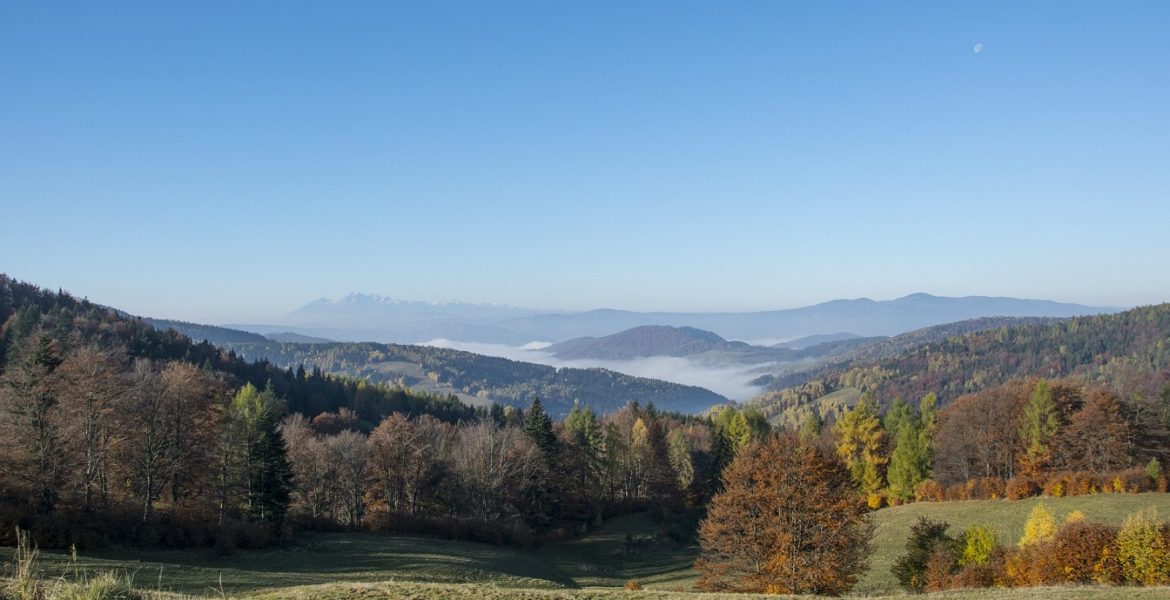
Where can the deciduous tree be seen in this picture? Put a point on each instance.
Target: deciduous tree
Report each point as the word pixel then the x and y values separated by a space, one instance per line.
pixel 787 521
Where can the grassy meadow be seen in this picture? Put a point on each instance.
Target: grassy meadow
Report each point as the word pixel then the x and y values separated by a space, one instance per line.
pixel 363 565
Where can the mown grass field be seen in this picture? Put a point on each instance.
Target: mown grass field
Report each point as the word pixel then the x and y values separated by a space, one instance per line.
pixel 344 566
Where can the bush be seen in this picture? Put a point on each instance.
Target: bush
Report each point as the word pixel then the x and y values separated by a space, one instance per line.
pixel 977 545
pixel 1021 486
pixel 911 569
pixel 974 576
pixel 959 491
pixel 633 585
pixel 929 490
pixel 987 488
pixel 941 566
pixel 1080 483
pixel 1141 549
pixel 1079 546
pixel 1056 485
pixel 1130 481
pixel 1030 565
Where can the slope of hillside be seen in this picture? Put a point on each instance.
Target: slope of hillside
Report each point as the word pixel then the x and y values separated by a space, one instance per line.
pixel 26 310
pixel 860 350
pixel 206 333
pixel 362 565
pixel 1129 351
pixel 813 340
pixel 486 378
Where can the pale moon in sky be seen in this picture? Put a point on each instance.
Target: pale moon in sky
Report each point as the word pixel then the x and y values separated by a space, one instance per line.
pixel 978 47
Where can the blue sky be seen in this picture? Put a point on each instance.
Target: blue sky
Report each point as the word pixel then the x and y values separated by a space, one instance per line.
pixel 230 161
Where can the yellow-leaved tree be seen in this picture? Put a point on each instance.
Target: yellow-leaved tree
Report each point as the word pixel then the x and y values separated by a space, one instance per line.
pixel 861 443
pixel 1141 549
pixel 1040 526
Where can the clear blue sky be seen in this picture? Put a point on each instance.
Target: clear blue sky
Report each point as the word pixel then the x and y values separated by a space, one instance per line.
pixel 229 161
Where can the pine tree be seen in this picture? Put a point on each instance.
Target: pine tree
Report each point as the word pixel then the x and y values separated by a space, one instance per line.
pixel 538 428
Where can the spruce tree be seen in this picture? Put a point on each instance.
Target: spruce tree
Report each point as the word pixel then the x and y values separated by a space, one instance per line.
pixel 538 428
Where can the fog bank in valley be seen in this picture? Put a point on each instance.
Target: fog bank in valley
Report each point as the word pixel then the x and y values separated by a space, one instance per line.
pixel 729 382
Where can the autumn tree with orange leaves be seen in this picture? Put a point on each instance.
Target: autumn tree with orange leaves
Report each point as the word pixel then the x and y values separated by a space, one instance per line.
pixel 788 521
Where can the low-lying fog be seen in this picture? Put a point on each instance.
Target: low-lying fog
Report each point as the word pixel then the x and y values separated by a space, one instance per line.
pixel 729 382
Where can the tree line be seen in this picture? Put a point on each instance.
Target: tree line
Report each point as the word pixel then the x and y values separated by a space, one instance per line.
pixel 1016 440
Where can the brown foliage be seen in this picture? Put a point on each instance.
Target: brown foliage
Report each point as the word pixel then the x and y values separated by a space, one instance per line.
pixel 787 521
pixel 987 488
pixel 1077 549
pixel 940 569
pixel 929 491
pixel 976 434
pixel 1096 437
pixel 1021 486
pixel 333 423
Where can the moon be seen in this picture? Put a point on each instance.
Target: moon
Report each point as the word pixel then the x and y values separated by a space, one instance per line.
pixel 978 48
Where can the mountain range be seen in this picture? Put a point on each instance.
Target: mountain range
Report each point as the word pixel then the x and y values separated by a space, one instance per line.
pixel 364 317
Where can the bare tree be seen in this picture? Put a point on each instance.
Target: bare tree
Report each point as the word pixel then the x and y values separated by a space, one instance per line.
pixel 493 464
pixel 348 452
pixel 31 427
pixel 146 419
pixel 95 383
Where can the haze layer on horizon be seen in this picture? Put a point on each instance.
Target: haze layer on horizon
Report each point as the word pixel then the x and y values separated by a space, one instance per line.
pixel 218 162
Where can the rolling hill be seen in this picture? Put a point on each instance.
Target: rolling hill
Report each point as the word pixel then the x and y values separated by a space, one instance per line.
pixel 1127 351
pixel 646 340
pixel 476 379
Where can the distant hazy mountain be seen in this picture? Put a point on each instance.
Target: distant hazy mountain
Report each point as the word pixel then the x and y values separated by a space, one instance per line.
pixel 370 317
pixel 362 317
pixel 813 340
pixel 288 337
pixel 863 317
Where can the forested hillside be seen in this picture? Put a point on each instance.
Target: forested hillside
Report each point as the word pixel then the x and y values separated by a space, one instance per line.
pixel 1128 352
pixel 27 311
pixel 114 432
pixel 487 377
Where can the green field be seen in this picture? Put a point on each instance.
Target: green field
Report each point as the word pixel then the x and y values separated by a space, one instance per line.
pixel 338 566
pixel 1006 517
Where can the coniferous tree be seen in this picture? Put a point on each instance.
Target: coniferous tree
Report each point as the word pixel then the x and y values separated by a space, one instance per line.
pixel 860 445
pixel 926 537
pixel 267 473
pixel 910 460
pixel 538 428
pixel 1039 422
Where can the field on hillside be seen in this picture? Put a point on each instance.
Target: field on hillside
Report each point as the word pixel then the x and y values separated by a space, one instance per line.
pixel 1006 517
pixel 342 566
